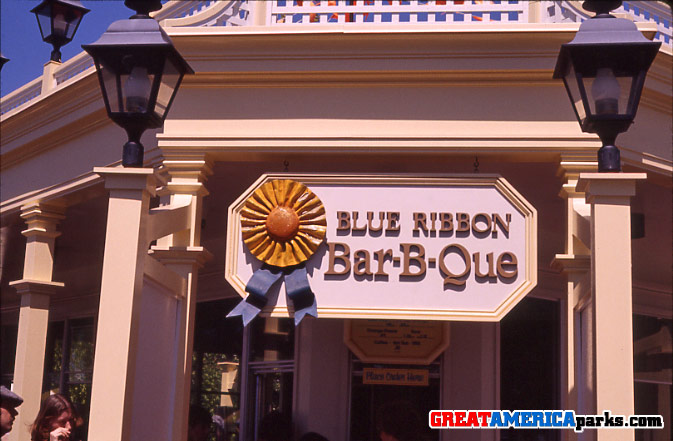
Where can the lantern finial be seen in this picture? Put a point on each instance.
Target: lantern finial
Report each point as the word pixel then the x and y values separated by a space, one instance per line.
pixel 601 7
pixel 3 60
pixel 143 7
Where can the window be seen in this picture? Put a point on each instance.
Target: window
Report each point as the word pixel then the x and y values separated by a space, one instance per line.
pixel 653 374
pixel 216 366
pixel 239 387
pixel 271 370
pixel 69 364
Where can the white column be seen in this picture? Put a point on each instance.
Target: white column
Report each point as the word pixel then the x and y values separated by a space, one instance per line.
pixel 142 368
pixel 35 290
pixel 575 263
pixel 609 195
pixel 121 287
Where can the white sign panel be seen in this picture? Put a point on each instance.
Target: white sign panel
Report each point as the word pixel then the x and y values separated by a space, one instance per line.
pixel 427 247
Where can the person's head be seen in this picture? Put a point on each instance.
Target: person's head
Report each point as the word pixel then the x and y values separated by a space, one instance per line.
pixel 199 424
pixel 9 401
pixel 312 436
pixel 56 411
pixel 275 427
pixel 398 421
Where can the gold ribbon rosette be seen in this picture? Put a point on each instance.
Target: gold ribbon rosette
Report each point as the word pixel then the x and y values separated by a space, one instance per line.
pixel 282 223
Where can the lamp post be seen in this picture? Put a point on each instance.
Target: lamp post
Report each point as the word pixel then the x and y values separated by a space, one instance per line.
pixel 3 60
pixel 58 21
pixel 140 72
pixel 603 69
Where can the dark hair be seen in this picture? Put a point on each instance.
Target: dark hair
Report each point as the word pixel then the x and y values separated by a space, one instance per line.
pixel 399 419
pixel 312 436
pixel 50 410
pixel 275 426
pixel 198 416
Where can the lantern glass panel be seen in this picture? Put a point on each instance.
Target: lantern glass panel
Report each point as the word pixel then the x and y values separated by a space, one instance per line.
pixel 571 81
pixel 66 21
pixel 608 94
pixel 44 21
pixel 136 87
pixel 111 89
pixel 636 88
pixel 169 82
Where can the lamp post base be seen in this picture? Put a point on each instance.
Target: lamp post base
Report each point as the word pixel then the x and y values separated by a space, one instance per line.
pixel 56 54
pixel 609 159
pixel 132 155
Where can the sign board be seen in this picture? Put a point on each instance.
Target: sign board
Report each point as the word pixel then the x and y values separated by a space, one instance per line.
pixel 396 341
pixel 460 247
pixel 395 377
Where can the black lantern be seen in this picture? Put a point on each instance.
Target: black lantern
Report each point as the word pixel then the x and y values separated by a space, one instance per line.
pixel 58 21
pixel 139 71
pixel 3 60
pixel 604 70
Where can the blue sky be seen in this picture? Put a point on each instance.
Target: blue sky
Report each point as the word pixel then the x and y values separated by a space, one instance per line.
pixel 20 39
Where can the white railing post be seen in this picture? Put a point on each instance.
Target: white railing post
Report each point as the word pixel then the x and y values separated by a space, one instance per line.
pixel 260 13
pixel 48 76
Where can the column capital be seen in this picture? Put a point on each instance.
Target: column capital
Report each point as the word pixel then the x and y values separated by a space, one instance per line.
pixel 42 218
pixel 188 173
pixel 128 178
pixel 191 164
pixel 571 165
pixel 569 170
pixel 609 184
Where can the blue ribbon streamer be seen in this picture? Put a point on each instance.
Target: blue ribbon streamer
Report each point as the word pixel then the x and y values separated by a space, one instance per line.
pixel 296 285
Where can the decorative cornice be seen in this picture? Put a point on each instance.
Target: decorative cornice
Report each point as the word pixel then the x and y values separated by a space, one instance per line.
pixel 70 97
pixel 541 139
pixel 76 108
pixel 389 78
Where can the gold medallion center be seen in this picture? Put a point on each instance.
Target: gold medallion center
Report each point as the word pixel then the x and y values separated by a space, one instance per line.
pixel 282 223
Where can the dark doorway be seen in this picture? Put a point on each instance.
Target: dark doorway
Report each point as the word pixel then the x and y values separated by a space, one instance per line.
pixel 529 363
pixel 366 399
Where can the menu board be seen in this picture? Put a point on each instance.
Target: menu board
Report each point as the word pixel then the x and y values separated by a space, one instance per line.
pixel 397 341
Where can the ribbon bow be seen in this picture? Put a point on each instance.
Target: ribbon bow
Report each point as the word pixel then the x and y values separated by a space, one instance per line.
pixel 296 287
pixel 282 223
